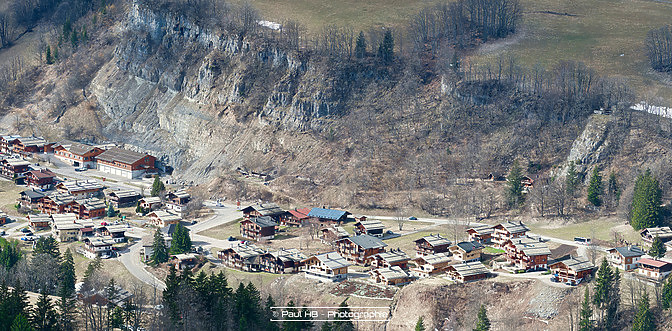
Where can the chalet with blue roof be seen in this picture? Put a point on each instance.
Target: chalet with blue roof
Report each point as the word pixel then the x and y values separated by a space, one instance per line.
pixel 328 216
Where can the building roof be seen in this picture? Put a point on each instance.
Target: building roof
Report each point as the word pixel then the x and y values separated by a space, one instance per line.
pixel 10 137
pixel 390 273
pixel 262 221
pixel 66 226
pixel 628 251
pixel 434 258
pixel 116 154
pixel 482 229
pixel 469 246
pixel 126 194
pixel 42 173
pixel 339 231
pixel 92 204
pixel 328 214
pixel 99 241
pixel 65 217
pixel 151 200
pixel 367 242
pixel 33 194
pixel 80 185
pixel 32 141
pixel 469 268
pixel 17 162
pixel 435 240
pixel 266 209
pixel 165 216
pixel 370 225
pixel 169 229
pixel 664 233
pixel 61 198
pixel 186 256
pixel 653 263
pixel 76 147
pixel 292 254
pixel 393 256
pixel 301 213
pixel 331 260
pixel 531 247
pixel 514 227
pixel 39 218
pixel 577 264
pixel 246 251
pixel 182 194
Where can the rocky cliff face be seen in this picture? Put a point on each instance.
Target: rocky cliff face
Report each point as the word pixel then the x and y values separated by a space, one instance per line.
pixel 200 98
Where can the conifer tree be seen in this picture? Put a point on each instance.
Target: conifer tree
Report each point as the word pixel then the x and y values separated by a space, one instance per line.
pixel 360 45
pixel 658 249
pixel 646 211
pixel 66 275
pixel 386 48
pixel 181 242
pixel 343 323
pixel 585 324
pixel 10 253
pixel 74 39
pixel 43 315
pixel 47 245
pixel 170 295
pixel 157 187
pixel 268 315
pixel 67 309
pixel 572 180
pixel 110 211
pixel 50 60
pixel 420 324
pixel 483 323
pixel 159 249
pixel 595 188
pixel 55 53
pixel 666 296
pixel 644 317
pixel 21 324
pixel 514 192
pixel 613 190
pixel 139 209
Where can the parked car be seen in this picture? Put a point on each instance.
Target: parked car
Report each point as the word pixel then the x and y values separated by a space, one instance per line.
pixel 2 233
pixel 25 230
pixel 231 238
pixel 28 238
pixel 80 169
pixel 413 218
pixel 103 223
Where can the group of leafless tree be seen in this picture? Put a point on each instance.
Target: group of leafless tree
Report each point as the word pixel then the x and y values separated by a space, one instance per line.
pixel 659 48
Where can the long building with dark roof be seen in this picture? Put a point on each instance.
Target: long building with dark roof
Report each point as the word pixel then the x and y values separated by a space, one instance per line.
pixel 125 163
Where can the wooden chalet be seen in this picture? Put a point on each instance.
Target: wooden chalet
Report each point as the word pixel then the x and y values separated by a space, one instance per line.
pixel 184 261
pixel 331 234
pixel 467 251
pixel 6 143
pixel 63 218
pixel 81 189
pixel 27 146
pixel 482 234
pixel 657 270
pixel 39 222
pixel 527 254
pixel 571 270
pixel 359 249
pixel 431 244
pixel 649 234
pixel 390 276
pixel 94 247
pixel 467 271
pixel 77 154
pixel 65 231
pixel 625 258
pixel 371 227
pixel 507 231
pixel 258 228
pixel 326 267
pixel 177 201
pixel 242 257
pixel 161 218
pixel 125 163
pixel 55 203
pixel 328 216
pixel 123 198
pixel 393 258
pixel 429 265
pixel 282 261
pixel 150 203
pixel 264 209
pixel 88 208
pixel 42 180
pixel 296 217
pixel 30 199
pixel 14 169
pixel 116 233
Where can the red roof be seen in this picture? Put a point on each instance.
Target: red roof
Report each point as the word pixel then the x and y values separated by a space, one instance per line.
pixel 653 263
pixel 300 213
pixel 44 173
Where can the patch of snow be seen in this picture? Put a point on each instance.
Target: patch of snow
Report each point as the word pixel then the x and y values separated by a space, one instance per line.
pixel 270 25
pixel 651 109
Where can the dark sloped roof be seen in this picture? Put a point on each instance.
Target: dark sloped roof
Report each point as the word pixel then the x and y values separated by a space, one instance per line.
pixel 263 221
pixel 78 148
pixel 629 251
pixel 120 155
pixel 329 214
pixel 469 246
pixel 367 242
pixel 33 194
pixel 265 209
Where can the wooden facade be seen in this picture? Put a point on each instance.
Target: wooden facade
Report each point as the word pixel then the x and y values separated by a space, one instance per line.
pixel 432 244
pixel 258 228
pixel 359 249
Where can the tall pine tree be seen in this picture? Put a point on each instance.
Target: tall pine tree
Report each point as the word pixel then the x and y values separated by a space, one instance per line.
pixel 66 274
pixel 646 211
pixel 159 249
pixel 43 315
pixel 343 323
pixel 386 48
pixel 666 296
pixel 572 180
pixel 585 323
pixel 658 249
pixel 595 188
pixel 420 324
pixel 644 317
pixel 157 187
pixel 483 323
pixel 360 46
